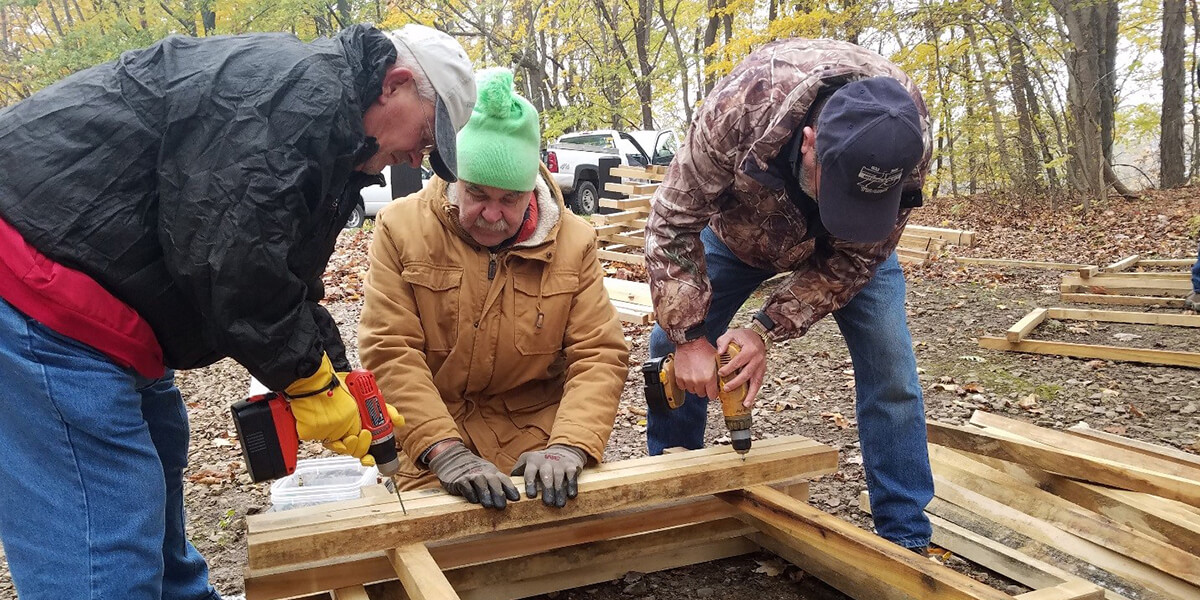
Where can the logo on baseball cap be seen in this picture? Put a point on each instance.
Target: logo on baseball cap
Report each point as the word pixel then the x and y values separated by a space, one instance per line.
pixel 448 70
pixel 868 139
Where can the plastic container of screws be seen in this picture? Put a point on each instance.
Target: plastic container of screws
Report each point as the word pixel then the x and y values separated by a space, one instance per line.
pixel 320 480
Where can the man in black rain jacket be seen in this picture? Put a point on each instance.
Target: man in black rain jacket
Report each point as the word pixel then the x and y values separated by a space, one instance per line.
pixel 164 211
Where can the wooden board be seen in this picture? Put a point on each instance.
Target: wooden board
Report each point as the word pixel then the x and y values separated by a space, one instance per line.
pixel 1165 452
pixel 421 576
pixel 1064 514
pixel 637 314
pixel 1123 300
pixel 954 236
pixel 1121 265
pixel 855 561
pixel 352 592
pixel 1039 539
pixel 989 553
pixel 632 189
pixel 1135 285
pixel 637 173
pixel 621 257
pixel 1070 464
pixel 1022 328
pixel 1159 518
pixel 1139 355
pixel 1166 262
pixel 378 527
pixel 1018 264
pixel 639 203
pixel 1064 441
pixel 636 239
pixel 1118 316
pixel 617 217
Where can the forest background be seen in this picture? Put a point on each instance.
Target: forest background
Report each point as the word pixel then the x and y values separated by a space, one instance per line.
pixel 1058 101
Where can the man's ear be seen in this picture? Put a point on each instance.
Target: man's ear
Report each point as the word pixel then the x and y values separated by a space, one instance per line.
pixel 394 81
pixel 810 140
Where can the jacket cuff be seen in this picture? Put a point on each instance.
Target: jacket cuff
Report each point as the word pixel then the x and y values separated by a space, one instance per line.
pixel 683 335
pixel 426 434
pixel 583 438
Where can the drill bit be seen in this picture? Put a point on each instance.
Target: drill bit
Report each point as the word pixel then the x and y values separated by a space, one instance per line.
pixel 398 497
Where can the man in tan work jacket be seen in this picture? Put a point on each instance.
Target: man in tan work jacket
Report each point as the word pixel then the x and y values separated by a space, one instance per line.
pixel 487 323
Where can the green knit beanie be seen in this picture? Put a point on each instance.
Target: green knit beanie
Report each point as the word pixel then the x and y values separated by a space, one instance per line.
pixel 500 145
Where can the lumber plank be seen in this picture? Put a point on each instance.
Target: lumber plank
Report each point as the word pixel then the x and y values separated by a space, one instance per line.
pixel 420 575
pixel 640 203
pixel 617 217
pixel 633 313
pixel 1120 316
pixel 954 236
pixel 1122 265
pixel 1166 262
pixel 1067 590
pixel 262 584
pixel 603 230
pixel 352 592
pixel 855 561
pixel 626 239
pixel 376 529
pixel 436 497
pixel 910 253
pixel 910 260
pixel 982 550
pixel 637 173
pixel 632 189
pixel 1064 514
pixel 613 567
pixel 1063 462
pixel 596 553
pixel 1027 323
pixel 1165 520
pixel 1046 542
pixel 921 242
pixel 1089 271
pixel 1164 452
pixel 1135 285
pixel 1018 264
pixel 1176 358
pixel 623 257
pixel 1123 300
pixel 1066 441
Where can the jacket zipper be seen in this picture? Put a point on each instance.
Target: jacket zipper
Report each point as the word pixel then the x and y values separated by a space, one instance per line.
pixel 491 266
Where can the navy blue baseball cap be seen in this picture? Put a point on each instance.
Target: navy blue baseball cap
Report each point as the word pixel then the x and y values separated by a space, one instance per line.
pixel 868 141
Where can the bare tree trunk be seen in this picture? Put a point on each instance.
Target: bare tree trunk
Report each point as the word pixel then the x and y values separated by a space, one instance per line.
pixel 1109 15
pixel 67 12
pixel 989 96
pixel 673 32
pixel 343 13
pixel 1192 172
pixel 710 39
pixel 1170 145
pixel 208 17
pixel 643 81
pixel 1030 174
pixel 54 19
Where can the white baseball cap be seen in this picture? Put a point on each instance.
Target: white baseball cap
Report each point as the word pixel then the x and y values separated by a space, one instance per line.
pixel 448 70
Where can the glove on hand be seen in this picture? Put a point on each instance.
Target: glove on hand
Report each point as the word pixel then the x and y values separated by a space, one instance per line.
pixel 464 474
pixel 326 412
pixel 555 469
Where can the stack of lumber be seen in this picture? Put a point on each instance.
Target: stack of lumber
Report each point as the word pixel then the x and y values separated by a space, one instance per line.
pixel 631 299
pixel 621 234
pixel 1131 281
pixel 1039 505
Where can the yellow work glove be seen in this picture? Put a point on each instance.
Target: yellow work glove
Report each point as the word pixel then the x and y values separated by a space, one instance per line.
pixel 326 412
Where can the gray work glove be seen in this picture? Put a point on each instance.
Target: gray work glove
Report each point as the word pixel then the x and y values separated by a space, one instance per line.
pixel 464 474
pixel 555 470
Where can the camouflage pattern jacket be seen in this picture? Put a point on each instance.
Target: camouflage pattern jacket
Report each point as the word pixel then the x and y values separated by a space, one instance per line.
pixel 727 175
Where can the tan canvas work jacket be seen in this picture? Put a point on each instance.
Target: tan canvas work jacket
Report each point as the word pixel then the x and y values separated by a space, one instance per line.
pixel 509 351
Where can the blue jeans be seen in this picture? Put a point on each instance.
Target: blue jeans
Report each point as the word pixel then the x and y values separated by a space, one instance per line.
pixel 1196 273
pixel 889 404
pixel 91 481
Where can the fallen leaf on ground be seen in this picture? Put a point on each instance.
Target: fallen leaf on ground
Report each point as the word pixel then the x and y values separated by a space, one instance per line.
pixel 772 568
pixel 1078 330
pixel 637 410
pixel 838 419
pixel 973 358
pixel 1028 402
pixel 1115 429
pixel 1126 337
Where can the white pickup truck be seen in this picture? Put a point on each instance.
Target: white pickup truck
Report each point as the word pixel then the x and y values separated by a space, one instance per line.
pixel 574 159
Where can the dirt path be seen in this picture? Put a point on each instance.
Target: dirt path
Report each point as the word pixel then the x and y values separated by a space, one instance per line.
pixel 810 388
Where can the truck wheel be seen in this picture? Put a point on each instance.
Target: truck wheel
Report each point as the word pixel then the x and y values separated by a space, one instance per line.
pixel 357 217
pixel 585 200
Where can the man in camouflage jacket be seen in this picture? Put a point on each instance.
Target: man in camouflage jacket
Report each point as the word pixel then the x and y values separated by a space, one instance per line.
pixel 807 158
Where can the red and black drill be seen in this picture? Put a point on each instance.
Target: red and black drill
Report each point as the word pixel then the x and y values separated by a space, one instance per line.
pixel 266 430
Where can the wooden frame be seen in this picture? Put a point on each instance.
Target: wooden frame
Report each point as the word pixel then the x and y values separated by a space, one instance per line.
pixel 1016 338
pixel 1020 264
pixel 638 515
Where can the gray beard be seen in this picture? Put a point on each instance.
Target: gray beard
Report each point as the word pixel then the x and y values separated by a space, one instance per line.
pixel 806 179
pixel 498 227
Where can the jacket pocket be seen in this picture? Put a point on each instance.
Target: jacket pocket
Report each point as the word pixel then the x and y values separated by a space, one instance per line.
pixel 437 293
pixel 535 410
pixel 541 318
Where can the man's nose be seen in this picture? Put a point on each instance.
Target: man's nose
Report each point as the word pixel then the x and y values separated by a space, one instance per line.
pixel 492 212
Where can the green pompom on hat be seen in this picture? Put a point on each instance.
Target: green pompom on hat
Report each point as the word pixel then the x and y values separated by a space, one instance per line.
pixel 500 146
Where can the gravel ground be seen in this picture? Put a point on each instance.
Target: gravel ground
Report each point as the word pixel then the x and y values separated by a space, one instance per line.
pixel 810 384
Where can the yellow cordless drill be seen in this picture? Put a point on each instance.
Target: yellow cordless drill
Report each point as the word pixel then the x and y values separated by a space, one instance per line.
pixel 663 395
